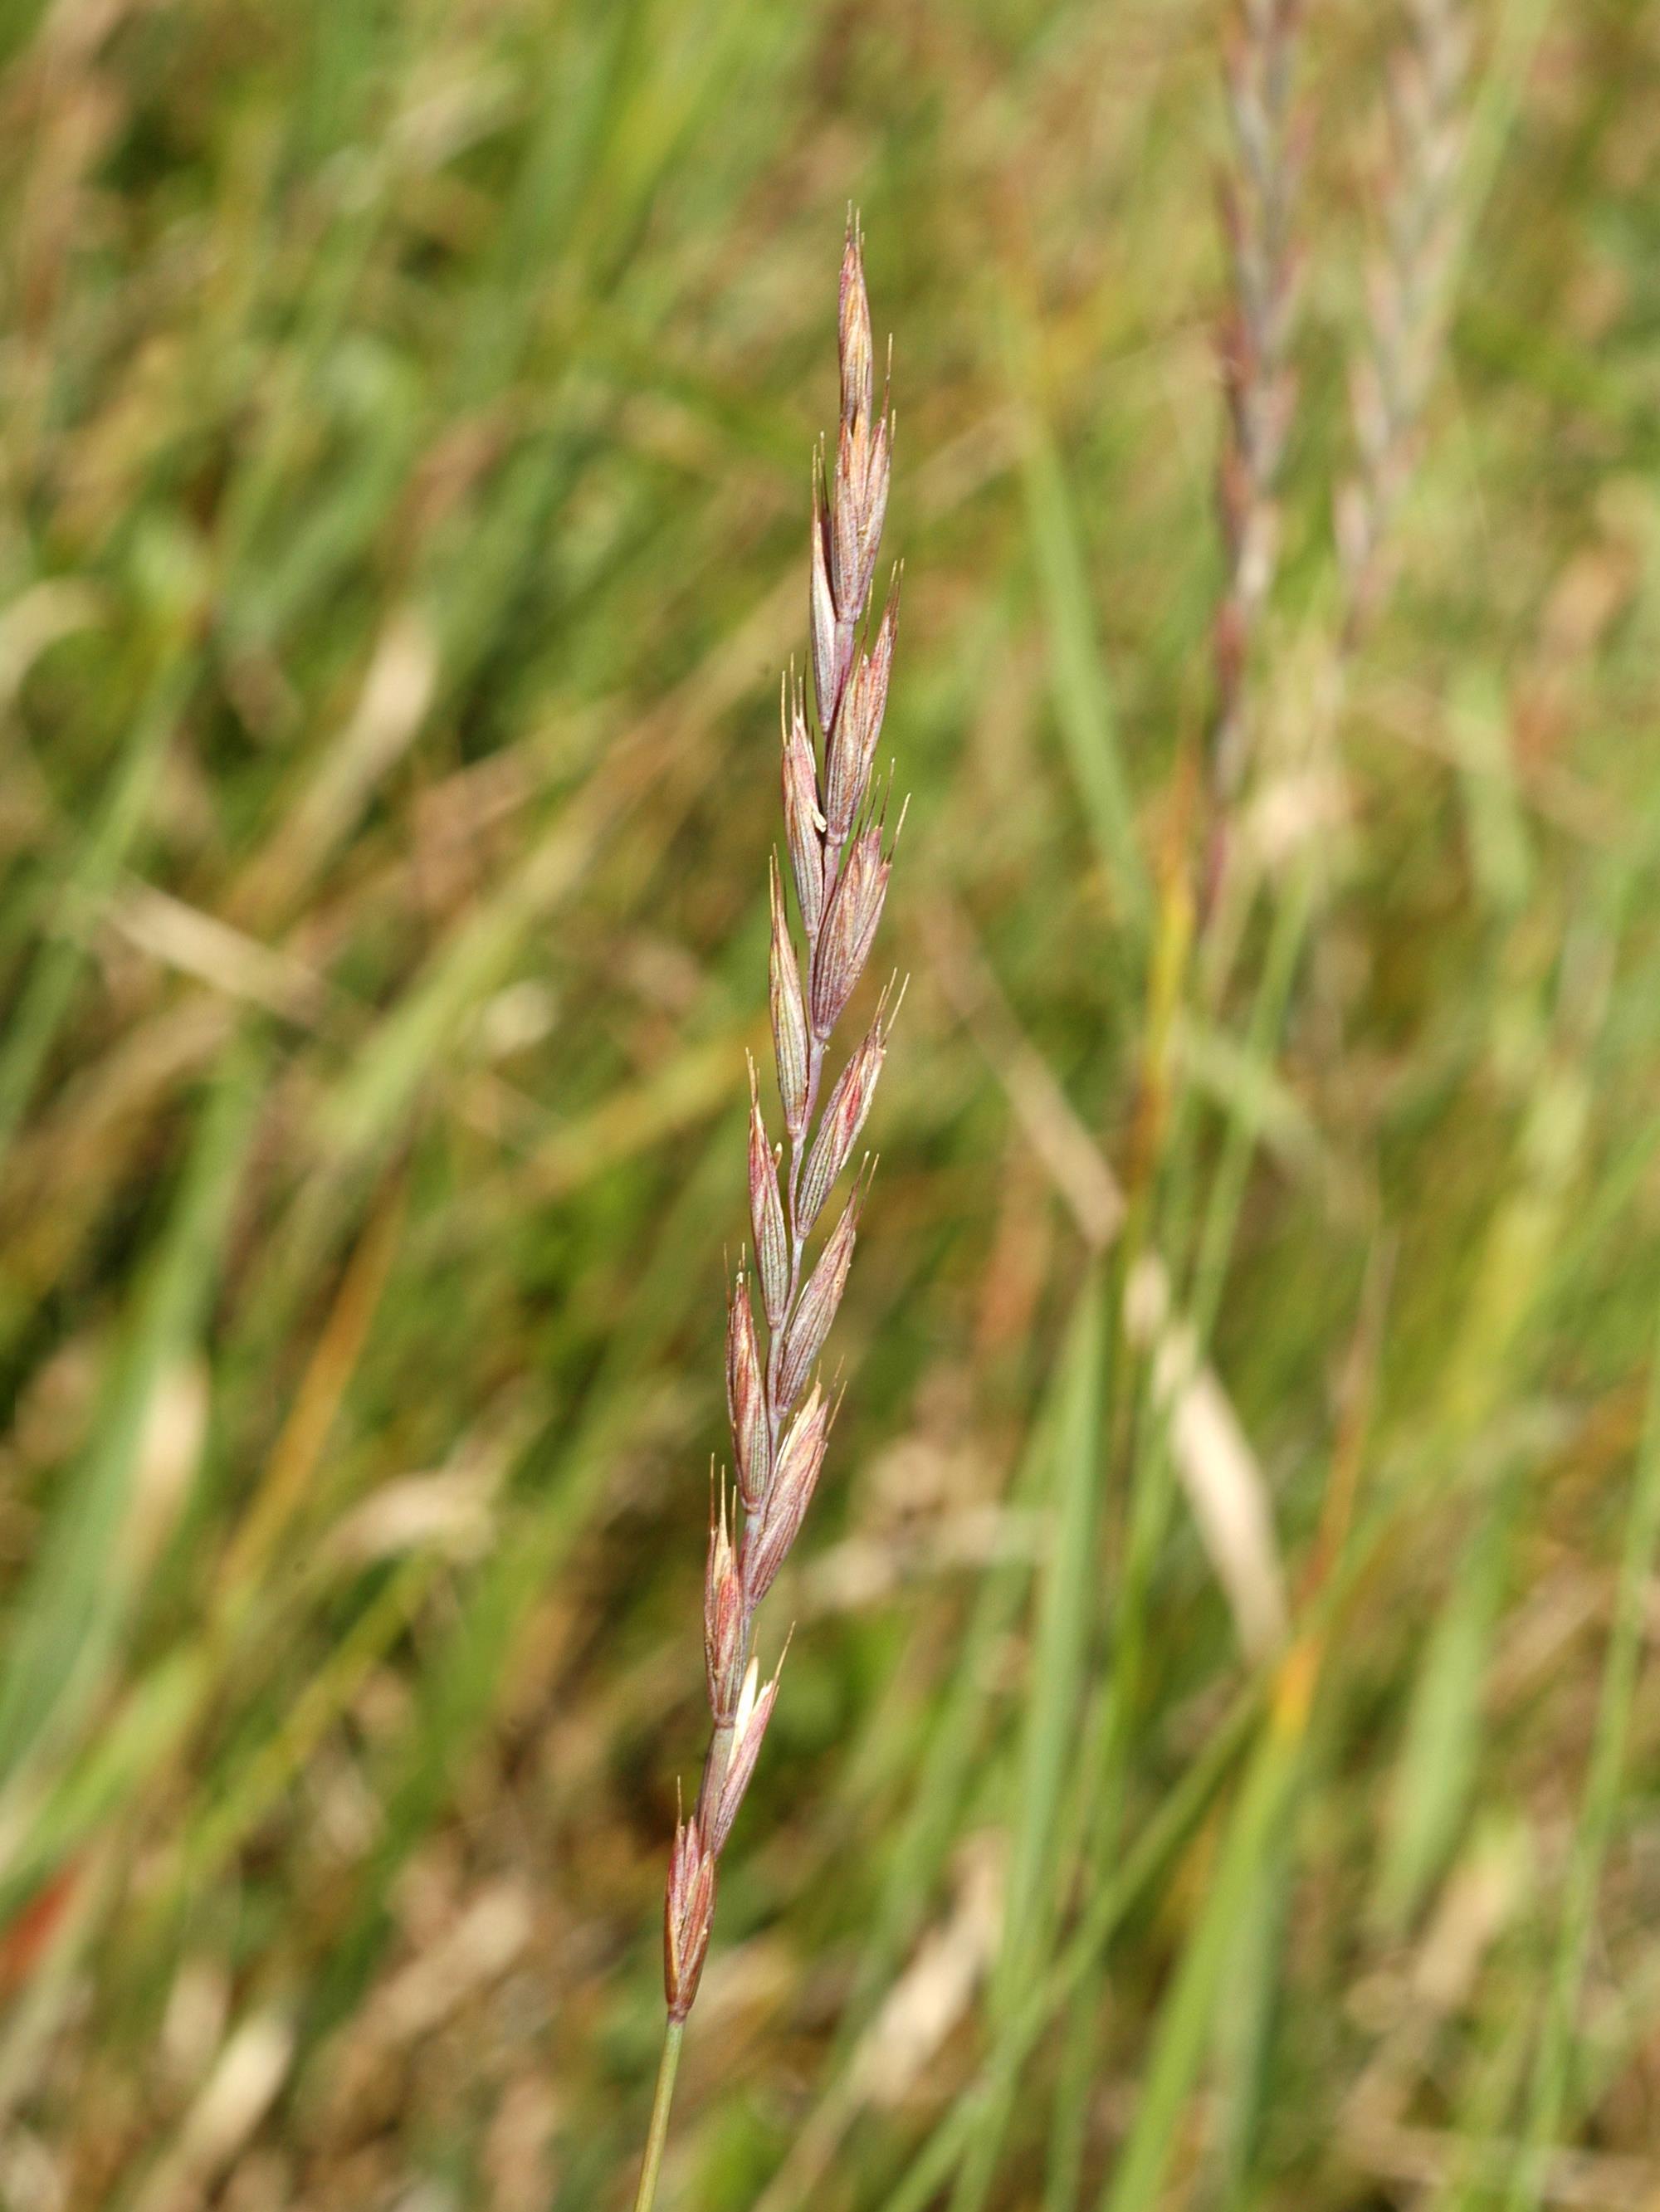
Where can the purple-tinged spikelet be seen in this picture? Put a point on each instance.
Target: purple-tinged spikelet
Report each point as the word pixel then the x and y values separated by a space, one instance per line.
pixel 849 930
pixel 772 1258
pixel 789 1018
pixel 815 1310
pixel 843 1119
pixel 768 1537
pixel 855 352
pixel 723 1616
pixel 746 1400
pixel 853 749
pixel 688 1915
pixel 803 820
pixel 832 638
pixel 748 1726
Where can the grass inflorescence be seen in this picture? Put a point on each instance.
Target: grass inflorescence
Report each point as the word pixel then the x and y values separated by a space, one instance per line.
pixel 1210 1765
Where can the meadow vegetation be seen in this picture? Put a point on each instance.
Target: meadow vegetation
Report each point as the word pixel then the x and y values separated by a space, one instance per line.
pixel 1216 1764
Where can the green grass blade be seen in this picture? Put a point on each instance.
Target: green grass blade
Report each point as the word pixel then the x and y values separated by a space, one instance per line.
pixel 1082 695
pixel 1598 1816
pixel 1187 2018
pixel 70 1619
pixel 48 994
pixel 1442 1746
pixel 1069 1609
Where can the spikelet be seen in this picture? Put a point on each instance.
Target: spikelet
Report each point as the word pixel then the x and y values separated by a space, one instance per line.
pixel 724 1616
pixel 769 1535
pixel 688 1915
pixel 746 1401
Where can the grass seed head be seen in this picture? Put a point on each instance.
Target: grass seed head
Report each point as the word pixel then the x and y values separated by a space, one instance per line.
pixel 834 830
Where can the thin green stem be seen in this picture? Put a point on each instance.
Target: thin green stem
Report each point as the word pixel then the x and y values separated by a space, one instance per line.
pixel 651 2165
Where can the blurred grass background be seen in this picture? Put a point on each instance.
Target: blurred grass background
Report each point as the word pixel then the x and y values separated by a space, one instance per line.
pixel 404 412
